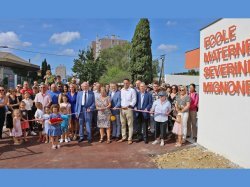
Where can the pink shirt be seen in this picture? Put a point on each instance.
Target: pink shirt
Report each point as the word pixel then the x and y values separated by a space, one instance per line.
pixel 194 100
pixel 45 99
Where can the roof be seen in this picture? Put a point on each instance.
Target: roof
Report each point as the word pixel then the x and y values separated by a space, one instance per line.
pixel 211 23
pixel 11 60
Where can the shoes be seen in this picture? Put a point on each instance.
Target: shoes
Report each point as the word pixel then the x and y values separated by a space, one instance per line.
pixel 138 140
pixel 130 142
pixel 121 140
pixel 156 142
pixel 46 142
pixel 117 139
pixel 89 141
pixel 58 146
pixel 66 140
pixel 146 141
pixel 178 145
pixel 108 141
pixel 61 140
pixel 53 147
pixel 80 140
pixel 75 138
pixel 162 142
pixel 33 133
pixel 101 141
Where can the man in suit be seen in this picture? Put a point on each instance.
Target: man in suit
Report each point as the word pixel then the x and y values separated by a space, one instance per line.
pixel 144 102
pixel 115 96
pixel 85 105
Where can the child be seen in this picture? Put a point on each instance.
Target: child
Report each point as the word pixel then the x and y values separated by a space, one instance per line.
pixel 55 128
pixel 46 123
pixel 177 129
pixel 24 118
pixel 28 107
pixel 16 130
pixel 64 124
pixel 65 103
pixel 39 118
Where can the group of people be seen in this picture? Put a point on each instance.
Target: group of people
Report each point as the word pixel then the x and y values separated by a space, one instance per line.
pixel 57 112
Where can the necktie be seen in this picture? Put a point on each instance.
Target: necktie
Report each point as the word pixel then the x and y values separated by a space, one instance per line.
pixel 85 98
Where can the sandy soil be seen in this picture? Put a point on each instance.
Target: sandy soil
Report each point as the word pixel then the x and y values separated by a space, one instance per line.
pixel 192 157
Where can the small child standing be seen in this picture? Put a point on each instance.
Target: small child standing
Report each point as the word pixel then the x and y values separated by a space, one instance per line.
pixel 55 128
pixel 65 103
pixel 177 129
pixel 39 118
pixel 64 124
pixel 46 117
pixel 16 130
pixel 28 106
pixel 24 118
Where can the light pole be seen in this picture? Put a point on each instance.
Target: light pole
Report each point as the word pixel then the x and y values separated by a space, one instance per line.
pixel 161 78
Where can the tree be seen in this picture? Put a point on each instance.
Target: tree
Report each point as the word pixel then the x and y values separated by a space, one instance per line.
pixel 141 54
pixel 86 68
pixel 48 67
pixel 44 67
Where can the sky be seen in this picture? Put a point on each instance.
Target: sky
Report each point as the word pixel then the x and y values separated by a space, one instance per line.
pixel 172 37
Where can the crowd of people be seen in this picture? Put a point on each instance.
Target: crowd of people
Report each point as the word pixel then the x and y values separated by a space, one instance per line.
pixel 56 112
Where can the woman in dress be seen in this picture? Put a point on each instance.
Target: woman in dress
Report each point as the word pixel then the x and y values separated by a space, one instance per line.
pixel 183 103
pixel 172 100
pixel 72 94
pixel 103 105
pixel 12 103
pixel 3 103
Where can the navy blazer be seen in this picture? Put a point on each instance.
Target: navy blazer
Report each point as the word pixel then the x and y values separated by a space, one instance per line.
pixel 115 102
pixel 147 104
pixel 89 104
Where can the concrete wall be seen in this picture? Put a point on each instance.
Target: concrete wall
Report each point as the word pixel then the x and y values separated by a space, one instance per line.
pixel 224 120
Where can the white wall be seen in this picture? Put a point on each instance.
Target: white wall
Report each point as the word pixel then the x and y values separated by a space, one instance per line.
pixel 224 120
pixel 181 79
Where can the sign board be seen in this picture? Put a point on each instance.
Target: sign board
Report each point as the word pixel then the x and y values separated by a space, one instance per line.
pixel 224 108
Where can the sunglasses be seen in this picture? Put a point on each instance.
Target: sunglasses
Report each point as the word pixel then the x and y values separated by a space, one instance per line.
pixel 1 90
pixel 182 90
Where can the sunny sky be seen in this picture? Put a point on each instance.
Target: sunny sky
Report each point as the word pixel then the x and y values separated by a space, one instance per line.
pixel 66 36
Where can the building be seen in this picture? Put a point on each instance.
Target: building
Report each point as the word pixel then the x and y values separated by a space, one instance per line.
pixel 61 70
pixel 107 42
pixel 14 70
pixel 224 92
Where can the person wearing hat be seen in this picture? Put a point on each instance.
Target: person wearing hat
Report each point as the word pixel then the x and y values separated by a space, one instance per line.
pixel 161 109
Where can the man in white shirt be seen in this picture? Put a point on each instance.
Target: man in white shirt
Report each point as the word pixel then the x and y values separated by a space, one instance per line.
pixel 128 101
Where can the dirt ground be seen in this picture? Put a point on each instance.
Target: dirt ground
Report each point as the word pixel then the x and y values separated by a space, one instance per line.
pixel 192 157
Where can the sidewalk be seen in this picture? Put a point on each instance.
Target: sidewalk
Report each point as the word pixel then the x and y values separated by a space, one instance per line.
pixel 83 155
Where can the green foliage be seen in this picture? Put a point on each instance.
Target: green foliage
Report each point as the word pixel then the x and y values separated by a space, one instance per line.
pixel 114 74
pixel 44 67
pixel 86 68
pixel 190 72
pixel 141 54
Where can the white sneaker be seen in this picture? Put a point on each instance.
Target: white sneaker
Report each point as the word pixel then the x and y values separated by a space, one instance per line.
pixel 61 140
pixel 33 133
pixel 156 142
pixel 53 146
pixel 66 140
pixel 162 143
pixel 58 146
pixel 69 139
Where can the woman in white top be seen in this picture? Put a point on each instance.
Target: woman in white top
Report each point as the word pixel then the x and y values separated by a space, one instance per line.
pixel 161 108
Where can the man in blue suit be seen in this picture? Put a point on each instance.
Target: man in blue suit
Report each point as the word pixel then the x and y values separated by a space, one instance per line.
pixel 115 96
pixel 85 105
pixel 144 102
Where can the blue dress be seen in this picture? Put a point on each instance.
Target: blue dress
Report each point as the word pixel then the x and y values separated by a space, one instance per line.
pixel 72 101
pixel 55 129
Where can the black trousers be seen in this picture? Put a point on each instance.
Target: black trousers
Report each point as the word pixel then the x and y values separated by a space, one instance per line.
pixel 2 119
pixel 160 129
pixel 142 132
